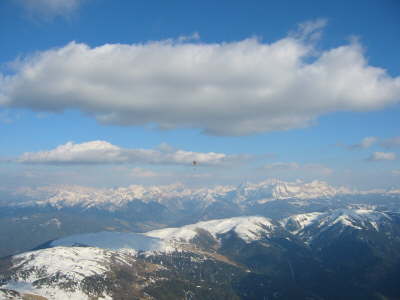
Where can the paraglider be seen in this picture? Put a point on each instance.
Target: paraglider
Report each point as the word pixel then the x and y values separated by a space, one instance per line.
pixel 194 164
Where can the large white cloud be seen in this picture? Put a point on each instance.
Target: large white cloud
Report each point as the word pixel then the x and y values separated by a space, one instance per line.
pixel 228 88
pixel 102 152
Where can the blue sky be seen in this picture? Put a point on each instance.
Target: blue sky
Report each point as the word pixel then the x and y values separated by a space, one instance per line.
pixel 106 93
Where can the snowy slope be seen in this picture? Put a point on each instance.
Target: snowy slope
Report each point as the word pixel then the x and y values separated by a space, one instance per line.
pixel 311 224
pixel 169 239
pixel 247 228
pixel 164 240
pixel 57 273
pixel 65 271
pixel 298 222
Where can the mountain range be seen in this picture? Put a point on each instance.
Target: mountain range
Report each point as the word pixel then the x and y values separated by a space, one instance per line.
pixel 177 195
pixel 32 216
pixel 338 254
pixel 267 240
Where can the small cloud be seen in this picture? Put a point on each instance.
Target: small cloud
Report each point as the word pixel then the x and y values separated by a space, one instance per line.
pixel 380 156
pixel 5 117
pixel 391 143
pixel 164 147
pixel 140 172
pixel 310 30
pixel 49 9
pixel 293 166
pixel 42 115
pixel 5 160
pixel 318 168
pixel 281 166
pixel 187 38
pixel 8 116
pixel 396 172
pixel 365 143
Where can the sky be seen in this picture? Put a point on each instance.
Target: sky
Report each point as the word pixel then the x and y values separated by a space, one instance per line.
pixel 113 93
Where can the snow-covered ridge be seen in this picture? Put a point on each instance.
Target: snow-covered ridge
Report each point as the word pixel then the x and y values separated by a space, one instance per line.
pixel 247 228
pixel 355 218
pixel 176 195
pixel 168 239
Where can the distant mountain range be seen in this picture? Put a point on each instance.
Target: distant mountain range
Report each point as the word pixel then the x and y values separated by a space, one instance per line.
pixel 32 216
pixel 177 195
pixel 342 253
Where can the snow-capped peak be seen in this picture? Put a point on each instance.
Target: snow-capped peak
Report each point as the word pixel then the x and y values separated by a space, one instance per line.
pixel 298 222
pixel 356 218
pixel 300 190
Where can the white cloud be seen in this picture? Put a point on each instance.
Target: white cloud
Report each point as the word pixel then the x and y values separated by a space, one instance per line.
pixel 50 8
pixel 140 172
pixel 368 142
pixel 5 117
pixel 396 172
pixel 391 143
pixel 310 30
pixel 282 166
pixel 101 152
pixel 228 88
pixel 302 168
pixel 365 143
pixel 193 37
pixel 379 156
